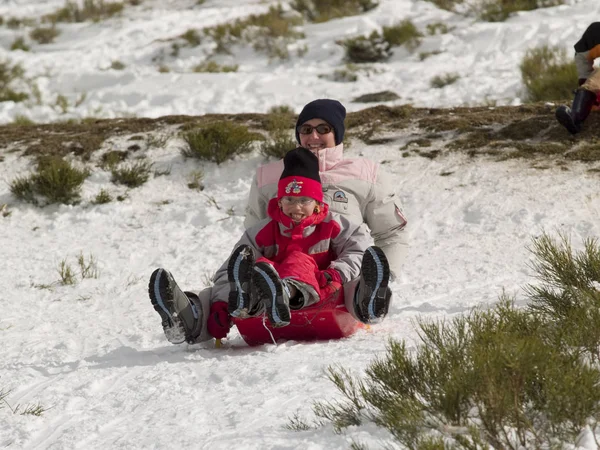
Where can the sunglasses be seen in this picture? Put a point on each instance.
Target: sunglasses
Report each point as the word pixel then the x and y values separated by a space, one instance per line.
pixel 322 128
pixel 297 200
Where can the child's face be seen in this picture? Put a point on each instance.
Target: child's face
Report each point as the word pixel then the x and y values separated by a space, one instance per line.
pixel 297 208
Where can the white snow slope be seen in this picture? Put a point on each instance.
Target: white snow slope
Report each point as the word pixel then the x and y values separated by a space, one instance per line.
pixel 94 353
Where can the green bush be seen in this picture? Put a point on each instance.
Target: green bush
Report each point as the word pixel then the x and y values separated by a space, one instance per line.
pixel 11 74
pixel 270 33
pixel 567 295
pixel 218 142
pixel 347 75
pixel 44 35
pixel 325 10
pixel 91 10
pixel 102 197
pixel 55 180
pixel 503 378
pixel 21 120
pixel 281 109
pixel 19 44
pixel 132 175
pixel 117 65
pixel 547 74
pixel 403 33
pixel 375 97
pixel 448 5
pixel 440 81
pixel 363 49
pixel 278 144
pixel 438 27
pixel 213 67
pixel 112 158
pixel 192 37
pixel 500 10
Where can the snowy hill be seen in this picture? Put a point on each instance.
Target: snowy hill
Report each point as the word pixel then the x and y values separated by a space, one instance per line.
pixel 93 353
pixel 128 65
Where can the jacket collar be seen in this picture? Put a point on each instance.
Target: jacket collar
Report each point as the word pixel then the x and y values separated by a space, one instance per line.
pixel 286 224
pixel 329 157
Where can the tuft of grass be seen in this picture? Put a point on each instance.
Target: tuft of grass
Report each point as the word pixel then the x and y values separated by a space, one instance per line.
pixel 500 10
pixel 324 10
pixel 218 142
pixel 424 55
pixel 279 121
pixel 440 81
pixel 213 67
pixel 21 120
pixel 269 33
pixel 56 180
pixel 132 175
pixel 438 27
pixel 404 33
pixel 112 158
pixel 20 44
pixel 11 74
pixel 102 197
pixel 196 180
pixel 585 152
pixel 117 65
pixel 4 211
pixel 44 35
pixel 281 109
pixel 157 141
pixel 346 75
pixel 66 273
pixel 90 10
pixel 448 5
pixel 366 49
pixel 547 74
pixel 89 268
pixel 192 38
pixel 14 23
pixel 383 96
pixel 279 143
pixel 36 409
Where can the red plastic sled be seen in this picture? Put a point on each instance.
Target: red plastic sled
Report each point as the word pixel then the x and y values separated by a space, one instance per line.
pixel 323 321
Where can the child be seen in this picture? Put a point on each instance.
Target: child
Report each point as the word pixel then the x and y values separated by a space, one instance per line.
pixel 299 256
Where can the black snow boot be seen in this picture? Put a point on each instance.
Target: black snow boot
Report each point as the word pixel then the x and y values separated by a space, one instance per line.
pixel 373 296
pixel 273 294
pixel 179 314
pixel 243 298
pixel 572 118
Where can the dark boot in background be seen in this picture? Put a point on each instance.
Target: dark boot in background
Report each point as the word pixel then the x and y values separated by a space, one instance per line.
pixel 572 118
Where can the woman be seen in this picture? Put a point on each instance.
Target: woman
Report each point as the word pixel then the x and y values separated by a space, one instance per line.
pixel 357 189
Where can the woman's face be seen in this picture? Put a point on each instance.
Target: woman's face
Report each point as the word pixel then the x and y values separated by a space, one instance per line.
pixel 297 208
pixel 315 141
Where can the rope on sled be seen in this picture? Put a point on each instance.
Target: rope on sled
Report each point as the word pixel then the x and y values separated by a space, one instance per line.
pixel 264 322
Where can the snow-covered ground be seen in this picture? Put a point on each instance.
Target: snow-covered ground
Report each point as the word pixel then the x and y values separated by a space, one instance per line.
pixel 76 67
pixel 94 353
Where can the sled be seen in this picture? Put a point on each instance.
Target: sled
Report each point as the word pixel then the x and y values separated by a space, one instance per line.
pixel 322 321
